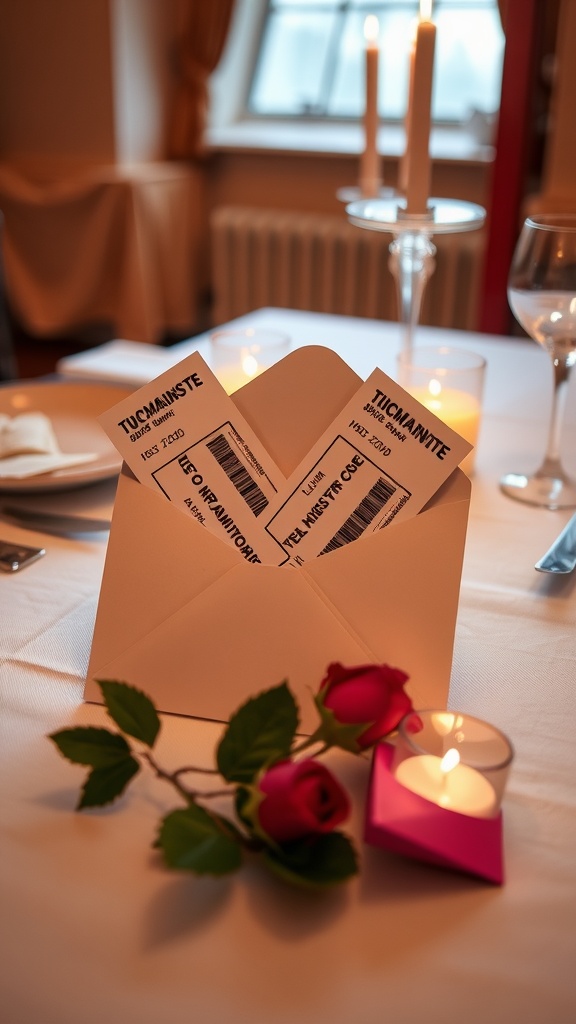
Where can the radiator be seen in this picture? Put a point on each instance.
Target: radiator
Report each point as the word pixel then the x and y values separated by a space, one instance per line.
pixel 262 257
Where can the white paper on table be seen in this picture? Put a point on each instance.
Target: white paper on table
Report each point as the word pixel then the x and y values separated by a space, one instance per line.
pixel 382 459
pixel 131 361
pixel 28 447
pixel 28 433
pixel 182 435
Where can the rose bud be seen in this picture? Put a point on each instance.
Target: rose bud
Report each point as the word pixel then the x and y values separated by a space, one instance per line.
pixel 372 694
pixel 302 798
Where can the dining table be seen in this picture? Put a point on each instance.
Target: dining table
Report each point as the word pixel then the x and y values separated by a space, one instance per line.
pixel 97 930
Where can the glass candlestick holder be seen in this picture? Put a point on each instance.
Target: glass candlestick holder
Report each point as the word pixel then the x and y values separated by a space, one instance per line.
pixel 412 252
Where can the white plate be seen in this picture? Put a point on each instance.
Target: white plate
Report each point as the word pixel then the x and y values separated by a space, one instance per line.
pixel 72 408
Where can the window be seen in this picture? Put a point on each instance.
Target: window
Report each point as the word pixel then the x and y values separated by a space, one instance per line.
pixel 310 61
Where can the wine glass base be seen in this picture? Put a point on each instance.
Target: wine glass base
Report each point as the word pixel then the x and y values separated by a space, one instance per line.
pixel 543 491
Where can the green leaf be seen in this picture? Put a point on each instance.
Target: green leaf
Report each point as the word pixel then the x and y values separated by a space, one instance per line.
pixel 89 745
pixel 260 732
pixel 316 862
pixel 246 803
pixel 194 840
pixel 104 785
pixel 335 733
pixel 131 709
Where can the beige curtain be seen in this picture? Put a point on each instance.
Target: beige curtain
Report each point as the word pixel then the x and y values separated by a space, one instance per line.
pixel 198 50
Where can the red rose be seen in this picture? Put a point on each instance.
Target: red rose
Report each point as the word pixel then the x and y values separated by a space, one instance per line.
pixel 367 693
pixel 301 798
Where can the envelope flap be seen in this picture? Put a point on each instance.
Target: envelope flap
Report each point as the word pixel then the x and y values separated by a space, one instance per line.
pixel 398 589
pixel 456 488
pixel 245 633
pixel 295 401
pixel 158 559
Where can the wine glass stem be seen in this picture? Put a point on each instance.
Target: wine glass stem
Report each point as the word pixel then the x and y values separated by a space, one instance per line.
pixel 552 464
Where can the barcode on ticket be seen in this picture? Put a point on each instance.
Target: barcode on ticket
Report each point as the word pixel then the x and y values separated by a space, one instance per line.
pixel 238 475
pixel 344 495
pixel 362 516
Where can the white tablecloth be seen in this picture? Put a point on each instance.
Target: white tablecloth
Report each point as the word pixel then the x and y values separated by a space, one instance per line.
pixel 95 930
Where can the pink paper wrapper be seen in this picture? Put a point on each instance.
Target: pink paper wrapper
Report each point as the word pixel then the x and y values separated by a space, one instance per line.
pixel 405 823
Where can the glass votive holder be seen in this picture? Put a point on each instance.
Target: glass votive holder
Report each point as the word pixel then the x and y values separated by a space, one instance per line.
pixel 453 760
pixel 450 382
pixel 240 354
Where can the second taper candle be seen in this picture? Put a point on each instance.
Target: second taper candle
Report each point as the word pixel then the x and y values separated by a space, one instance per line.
pixel 418 121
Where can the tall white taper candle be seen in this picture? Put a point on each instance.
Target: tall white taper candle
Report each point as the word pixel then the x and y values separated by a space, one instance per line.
pixel 417 168
pixel 370 175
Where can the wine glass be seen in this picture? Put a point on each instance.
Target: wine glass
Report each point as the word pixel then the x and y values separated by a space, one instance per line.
pixel 542 296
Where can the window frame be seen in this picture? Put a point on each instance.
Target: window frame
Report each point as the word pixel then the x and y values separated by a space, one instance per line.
pixel 342 10
pixel 232 127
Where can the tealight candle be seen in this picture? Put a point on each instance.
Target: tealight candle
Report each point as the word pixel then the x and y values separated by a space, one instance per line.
pixel 237 356
pixel 449 382
pixel 457 409
pixel 234 377
pixel 453 760
pixel 446 782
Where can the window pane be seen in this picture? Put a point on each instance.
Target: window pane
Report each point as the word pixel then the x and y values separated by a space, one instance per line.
pixel 347 95
pixel 347 99
pixel 290 72
pixel 312 58
pixel 468 64
pixel 309 4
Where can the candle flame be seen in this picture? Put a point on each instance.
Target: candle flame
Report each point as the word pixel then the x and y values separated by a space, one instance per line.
pixel 371 28
pixel 434 387
pixel 450 760
pixel 425 10
pixel 249 365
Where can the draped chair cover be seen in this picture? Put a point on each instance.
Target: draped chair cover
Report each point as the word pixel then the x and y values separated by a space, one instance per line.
pixel 116 245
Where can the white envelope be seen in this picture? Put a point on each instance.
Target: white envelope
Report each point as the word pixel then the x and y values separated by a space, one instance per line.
pixel 185 618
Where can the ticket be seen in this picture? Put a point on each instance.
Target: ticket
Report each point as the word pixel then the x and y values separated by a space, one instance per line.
pixel 182 435
pixel 380 461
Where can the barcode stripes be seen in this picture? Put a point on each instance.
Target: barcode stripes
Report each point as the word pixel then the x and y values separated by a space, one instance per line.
pixel 362 516
pixel 237 474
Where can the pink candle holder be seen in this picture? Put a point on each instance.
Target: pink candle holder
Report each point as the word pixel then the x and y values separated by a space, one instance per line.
pixel 435 796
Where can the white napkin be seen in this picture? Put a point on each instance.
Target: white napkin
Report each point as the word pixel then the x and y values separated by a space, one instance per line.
pixel 28 447
pixel 132 362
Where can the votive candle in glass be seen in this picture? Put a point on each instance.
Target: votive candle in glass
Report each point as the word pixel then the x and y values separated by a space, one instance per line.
pixel 240 354
pixel 450 382
pixel 453 760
